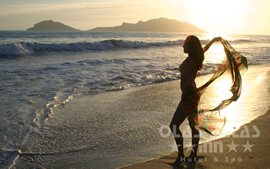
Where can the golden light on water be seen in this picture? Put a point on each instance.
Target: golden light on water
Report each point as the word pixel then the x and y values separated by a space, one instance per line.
pixel 215 54
pixel 217 92
pixel 213 35
pixel 220 91
pixel 223 90
pixel 259 78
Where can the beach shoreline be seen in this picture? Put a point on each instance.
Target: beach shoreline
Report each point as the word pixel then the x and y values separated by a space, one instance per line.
pixel 245 148
pixel 130 131
pixel 102 103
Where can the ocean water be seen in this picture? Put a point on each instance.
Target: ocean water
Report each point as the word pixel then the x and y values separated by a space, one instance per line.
pixel 42 74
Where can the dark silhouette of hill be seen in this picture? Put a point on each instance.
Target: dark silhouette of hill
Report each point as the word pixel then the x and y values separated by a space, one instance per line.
pixel 154 25
pixel 49 25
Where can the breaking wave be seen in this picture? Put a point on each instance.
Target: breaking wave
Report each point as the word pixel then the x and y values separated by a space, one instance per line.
pixel 28 48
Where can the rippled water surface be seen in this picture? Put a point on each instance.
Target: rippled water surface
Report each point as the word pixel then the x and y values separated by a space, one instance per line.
pixel 42 71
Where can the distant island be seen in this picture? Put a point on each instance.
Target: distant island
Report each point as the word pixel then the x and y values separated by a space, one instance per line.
pixel 154 25
pixel 50 25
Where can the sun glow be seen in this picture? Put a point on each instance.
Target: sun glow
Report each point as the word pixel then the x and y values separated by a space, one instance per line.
pixel 217 92
pixel 259 78
pixel 215 54
pixel 212 15
pixel 222 89
pixel 219 13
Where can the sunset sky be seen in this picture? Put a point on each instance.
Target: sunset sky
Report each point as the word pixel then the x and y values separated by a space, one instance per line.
pixel 215 16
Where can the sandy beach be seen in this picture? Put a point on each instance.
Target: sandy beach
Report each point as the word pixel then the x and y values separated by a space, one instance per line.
pixel 242 157
pixel 85 99
pixel 245 148
pixel 130 134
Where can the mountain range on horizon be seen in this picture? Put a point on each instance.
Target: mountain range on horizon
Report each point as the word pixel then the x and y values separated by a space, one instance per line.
pixel 153 25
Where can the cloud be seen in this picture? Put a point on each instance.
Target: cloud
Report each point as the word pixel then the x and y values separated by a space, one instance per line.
pixel 82 6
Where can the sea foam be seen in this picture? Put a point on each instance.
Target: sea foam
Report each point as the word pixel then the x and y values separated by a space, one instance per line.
pixel 28 48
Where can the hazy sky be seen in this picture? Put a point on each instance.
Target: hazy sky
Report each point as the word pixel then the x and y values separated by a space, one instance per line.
pixel 215 16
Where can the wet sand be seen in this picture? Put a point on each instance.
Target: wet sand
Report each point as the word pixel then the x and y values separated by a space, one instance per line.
pixel 248 147
pixel 257 156
pixel 133 118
